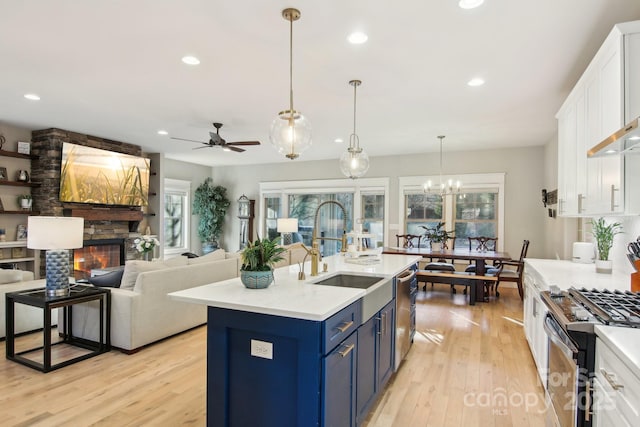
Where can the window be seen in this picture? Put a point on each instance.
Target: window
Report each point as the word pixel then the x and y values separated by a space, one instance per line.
pixel 479 211
pixel 476 215
pixel 176 215
pixel 300 199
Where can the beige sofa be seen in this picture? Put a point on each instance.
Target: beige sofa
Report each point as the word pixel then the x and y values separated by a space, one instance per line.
pixel 27 318
pixel 141 312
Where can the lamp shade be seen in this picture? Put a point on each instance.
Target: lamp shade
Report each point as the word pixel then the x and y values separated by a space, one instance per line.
pixel 54 232
pixel 287 225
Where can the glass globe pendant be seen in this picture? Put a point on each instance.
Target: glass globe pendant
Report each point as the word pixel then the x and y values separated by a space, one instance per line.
pixel 290 132
pixel 354 162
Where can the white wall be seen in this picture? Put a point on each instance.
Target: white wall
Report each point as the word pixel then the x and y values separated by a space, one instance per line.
pixel 524 169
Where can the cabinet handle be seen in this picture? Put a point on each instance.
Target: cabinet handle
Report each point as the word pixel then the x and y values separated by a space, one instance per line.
pixel 611 379
pixel 344 326
pixel 347 350
pixel 613 197
pixel 580 200
pixel 561 206
pixel 587 401
pixel 379 319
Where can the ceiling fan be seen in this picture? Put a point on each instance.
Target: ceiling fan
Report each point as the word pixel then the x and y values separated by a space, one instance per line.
pixel 217 141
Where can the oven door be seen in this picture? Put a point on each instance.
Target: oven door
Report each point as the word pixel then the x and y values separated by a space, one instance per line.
pixel 562 381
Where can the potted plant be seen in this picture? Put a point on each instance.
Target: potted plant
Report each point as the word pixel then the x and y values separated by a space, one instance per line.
pixel 604 234
pixel 211 203
pixel 437 236
pixel 258 259
pixel 146 245
pixel 25 201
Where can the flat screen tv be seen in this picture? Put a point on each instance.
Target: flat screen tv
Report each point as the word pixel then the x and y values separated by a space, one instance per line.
pixel 95 176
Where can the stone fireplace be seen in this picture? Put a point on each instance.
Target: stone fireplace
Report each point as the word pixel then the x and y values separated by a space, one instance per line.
pixel 97 254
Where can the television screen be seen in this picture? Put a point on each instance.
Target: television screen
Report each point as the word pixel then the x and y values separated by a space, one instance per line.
pixel 92 175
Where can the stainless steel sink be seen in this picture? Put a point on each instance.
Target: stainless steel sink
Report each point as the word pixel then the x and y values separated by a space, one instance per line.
pixel 350 281
pixel 373 300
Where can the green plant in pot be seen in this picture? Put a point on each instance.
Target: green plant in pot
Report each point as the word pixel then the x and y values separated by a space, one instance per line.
pixel 258 259
pixel 210 203
pixel 437 236
pixel 25 201
pixel 604 233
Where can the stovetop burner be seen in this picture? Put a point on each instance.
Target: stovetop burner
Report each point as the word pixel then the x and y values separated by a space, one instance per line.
pixel 614 308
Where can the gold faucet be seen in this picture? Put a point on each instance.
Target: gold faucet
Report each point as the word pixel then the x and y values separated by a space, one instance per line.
pixel 316 257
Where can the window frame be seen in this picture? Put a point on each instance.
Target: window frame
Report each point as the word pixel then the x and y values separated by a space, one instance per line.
pixel 181 188
pixel 470 183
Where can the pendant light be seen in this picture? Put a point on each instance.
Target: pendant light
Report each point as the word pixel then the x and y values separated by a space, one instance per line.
pixel 444 189
pixel 290 132
pixel 354 162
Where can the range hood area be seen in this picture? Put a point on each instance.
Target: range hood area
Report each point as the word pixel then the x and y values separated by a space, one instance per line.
pixel 623 141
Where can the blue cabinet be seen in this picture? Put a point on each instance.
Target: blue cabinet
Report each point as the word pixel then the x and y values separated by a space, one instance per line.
pixel 375 358
pixel 339 384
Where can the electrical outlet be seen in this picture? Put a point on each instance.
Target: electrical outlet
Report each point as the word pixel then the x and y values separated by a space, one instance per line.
pixel 262 349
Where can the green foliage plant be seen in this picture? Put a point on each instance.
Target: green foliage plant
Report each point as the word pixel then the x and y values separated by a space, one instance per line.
pixel 604 234
pixel 261 255
pixel 210 203
pixel 437 234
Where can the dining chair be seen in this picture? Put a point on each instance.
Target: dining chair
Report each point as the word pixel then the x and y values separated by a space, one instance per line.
pixel 444 265
pixel 408 240
pixel 515 271
pixel 480 244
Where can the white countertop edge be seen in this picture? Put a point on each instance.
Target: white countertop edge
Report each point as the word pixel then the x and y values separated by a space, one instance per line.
pixel 624 342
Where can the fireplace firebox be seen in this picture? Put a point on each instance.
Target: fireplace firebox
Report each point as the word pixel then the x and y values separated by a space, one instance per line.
pixel 95 254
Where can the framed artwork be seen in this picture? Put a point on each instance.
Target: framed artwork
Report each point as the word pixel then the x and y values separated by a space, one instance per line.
pixel 3 174
pixel 21 233
pixel 24 147
pixel 18 252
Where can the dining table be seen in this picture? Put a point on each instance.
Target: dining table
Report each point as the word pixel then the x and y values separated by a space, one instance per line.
pixel 480 257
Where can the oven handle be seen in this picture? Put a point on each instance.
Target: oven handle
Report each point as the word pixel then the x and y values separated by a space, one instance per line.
pixel 559 337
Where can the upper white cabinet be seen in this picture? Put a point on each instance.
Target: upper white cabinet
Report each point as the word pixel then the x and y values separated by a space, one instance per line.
pixel 605 98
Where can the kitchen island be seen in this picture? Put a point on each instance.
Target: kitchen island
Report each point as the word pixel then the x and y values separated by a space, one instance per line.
pixel 296 352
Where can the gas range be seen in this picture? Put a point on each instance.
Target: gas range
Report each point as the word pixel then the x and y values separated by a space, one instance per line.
pixel 581 309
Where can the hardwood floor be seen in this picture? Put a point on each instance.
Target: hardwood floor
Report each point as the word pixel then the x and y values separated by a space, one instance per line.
pixel 468 366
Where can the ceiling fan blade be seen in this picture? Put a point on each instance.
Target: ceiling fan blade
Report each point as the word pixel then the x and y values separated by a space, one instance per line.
pixel 204 146
pixel 236 149
pixel 244 143
pixel 190 140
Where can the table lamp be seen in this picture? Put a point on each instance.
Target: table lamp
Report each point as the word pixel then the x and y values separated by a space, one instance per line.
pixel 55 235
pixel 286 226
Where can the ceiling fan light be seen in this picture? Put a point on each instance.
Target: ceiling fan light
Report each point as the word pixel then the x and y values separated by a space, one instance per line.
pixel 290 134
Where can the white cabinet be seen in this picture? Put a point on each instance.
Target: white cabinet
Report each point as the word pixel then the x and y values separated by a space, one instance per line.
pixel 605 98
pixel 534 313
pixel 616 390
pixel 17 255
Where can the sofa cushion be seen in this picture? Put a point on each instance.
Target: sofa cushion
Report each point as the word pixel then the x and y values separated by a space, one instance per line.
pixel 10 276
pixel 134 267
pixel 178 261
pixel 109 280
pixel 211 256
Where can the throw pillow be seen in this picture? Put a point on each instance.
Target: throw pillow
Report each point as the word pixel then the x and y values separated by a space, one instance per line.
pixel 109 280
pixel 10 276
pixel 134 267
pixel 178 261
pixel 211 256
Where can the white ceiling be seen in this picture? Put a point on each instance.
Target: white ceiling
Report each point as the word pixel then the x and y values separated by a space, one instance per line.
pixel 112 69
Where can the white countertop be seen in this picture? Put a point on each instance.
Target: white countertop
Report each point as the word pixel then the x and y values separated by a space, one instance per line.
pixel 566 274
pixel 625 342
pixel 289 297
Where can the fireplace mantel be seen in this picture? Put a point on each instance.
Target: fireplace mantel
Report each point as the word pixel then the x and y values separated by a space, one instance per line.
pixel 105 214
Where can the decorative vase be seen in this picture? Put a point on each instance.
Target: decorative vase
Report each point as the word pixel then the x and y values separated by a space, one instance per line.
pixel 604 266
pixel 147 256
pixel 208 247
pixel 256 279
pixel 436 246
pixel 26 204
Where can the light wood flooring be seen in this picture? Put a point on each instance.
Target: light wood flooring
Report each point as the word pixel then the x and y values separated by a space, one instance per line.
pixel 468 366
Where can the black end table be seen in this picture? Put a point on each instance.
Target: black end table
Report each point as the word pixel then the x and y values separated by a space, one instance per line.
pixel 38 298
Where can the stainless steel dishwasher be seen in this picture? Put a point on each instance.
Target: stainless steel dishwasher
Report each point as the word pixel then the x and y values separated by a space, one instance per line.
pixel 406 287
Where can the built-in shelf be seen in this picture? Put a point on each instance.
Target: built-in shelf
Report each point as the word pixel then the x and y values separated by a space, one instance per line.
pixel 20 183
pixel 18 155
pixel 19 212
pixel 13 244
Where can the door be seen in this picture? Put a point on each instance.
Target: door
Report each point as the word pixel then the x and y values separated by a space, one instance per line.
pixel 339 395
pixel 366 378
pixel 386 340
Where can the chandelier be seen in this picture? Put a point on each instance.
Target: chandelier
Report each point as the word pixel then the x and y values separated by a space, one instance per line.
pixel 444 189
pixel 354 162
pixel 290 132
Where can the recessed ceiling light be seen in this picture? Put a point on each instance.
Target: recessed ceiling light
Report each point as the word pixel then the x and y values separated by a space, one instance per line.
pixel 611 151
pixel 470 4
pixel 357 38
pixel 476 81
pixel 634 138
pixel 163 132
pixel 32 97
pixel 190 60
pixel 338 140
